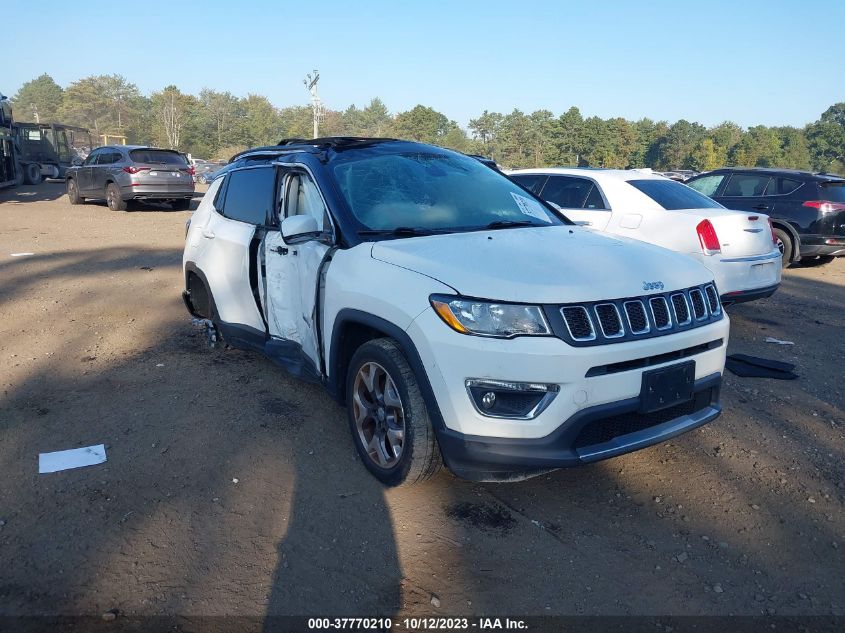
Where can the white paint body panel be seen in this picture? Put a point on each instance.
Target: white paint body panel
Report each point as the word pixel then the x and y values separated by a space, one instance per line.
pixel 634 215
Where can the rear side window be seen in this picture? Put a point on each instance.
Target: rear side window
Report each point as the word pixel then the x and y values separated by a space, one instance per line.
pixel 249 195
pixel 567 192
pixel 708 185
pixel 673 195
pixel 158 157
pixel 746 185
pixel 833 191
pixel 109 158
pixel 532 182
pixel 782 186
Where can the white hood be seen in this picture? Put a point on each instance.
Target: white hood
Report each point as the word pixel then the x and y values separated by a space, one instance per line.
pixel 561 264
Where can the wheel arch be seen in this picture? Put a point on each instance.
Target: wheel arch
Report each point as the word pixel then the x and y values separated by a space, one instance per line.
pixel 351 329
pixel 201 305
pixel 793 234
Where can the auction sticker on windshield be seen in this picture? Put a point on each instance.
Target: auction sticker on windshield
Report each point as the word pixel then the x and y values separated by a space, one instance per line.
pixel 531 207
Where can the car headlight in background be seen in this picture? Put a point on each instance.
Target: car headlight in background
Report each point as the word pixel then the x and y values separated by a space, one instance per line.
pixel 487 318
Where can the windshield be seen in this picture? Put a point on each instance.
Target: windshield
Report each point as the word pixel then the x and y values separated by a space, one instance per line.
pixel 158 156
pixel 674 196
pixel 432 191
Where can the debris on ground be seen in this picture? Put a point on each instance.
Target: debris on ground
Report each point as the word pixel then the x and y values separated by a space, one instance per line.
pixel 777 341
pixel 747 366
pixel 73 458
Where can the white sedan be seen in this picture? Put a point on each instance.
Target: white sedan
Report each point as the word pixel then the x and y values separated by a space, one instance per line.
pixel 738 247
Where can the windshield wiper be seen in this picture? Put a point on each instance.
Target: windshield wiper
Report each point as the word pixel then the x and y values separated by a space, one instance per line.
pixel 506 224
pixel 402 230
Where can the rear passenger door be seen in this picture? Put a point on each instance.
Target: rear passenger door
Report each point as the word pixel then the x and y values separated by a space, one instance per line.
pixel 228 254
pixel 580 199
pixel 745 191
pixel 103 168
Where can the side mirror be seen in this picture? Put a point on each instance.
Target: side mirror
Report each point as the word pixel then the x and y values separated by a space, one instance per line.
pixel 299 228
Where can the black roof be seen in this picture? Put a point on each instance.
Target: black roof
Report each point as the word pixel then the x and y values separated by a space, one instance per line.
pixel 780 170
pixel 288 145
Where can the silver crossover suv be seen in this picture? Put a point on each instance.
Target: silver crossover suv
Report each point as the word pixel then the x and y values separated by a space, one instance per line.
pixel 123 173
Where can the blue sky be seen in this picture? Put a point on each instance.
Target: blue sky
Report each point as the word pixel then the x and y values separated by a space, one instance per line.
pixel 772 63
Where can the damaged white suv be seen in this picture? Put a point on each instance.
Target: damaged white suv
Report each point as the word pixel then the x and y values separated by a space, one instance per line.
pixel 458 317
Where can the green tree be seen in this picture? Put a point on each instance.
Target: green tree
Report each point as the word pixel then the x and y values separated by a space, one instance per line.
pixel 174 115
pixel 567 137
pixel 707 155
pixel 677 145
pixel 40 98
pixel 826 139
pixel 262 123
pixel 219 117
pixel 485 130
pixel 422 123
pixel 106 104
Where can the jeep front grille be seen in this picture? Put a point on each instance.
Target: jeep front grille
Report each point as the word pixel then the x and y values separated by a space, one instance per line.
pixel 713 299
pixel 660 313
pixel 609 320
pixel 681 307
pixel 699 311
pixel 637 319
pixel 578 323
pixel 632 318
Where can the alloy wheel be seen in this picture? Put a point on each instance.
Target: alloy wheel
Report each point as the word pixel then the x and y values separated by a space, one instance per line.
pixel 379 414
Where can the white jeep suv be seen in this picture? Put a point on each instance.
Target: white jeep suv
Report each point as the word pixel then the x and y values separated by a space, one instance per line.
pixel 459 318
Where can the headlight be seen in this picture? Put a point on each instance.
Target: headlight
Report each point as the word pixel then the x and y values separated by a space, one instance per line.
pixel 484 318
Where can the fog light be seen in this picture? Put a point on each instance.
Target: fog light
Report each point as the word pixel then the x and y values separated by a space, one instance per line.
pixel 506 399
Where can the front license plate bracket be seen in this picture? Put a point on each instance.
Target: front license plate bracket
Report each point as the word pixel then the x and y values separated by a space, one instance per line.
pixel 666 387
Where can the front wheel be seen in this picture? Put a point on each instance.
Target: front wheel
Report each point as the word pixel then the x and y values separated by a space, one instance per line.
pixel 388 417
pixel 784 243
pixel 113 199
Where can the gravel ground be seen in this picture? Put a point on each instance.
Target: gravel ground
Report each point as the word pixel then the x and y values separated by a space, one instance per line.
pixel 233 489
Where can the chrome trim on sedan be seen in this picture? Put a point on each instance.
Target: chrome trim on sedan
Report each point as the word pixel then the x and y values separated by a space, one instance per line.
pixel 753 258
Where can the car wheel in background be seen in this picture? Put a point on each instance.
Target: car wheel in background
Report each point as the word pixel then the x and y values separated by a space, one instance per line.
pixel 387 416
pixel 113 199
pixel 73 192
pixel 784 242
pixel 32 174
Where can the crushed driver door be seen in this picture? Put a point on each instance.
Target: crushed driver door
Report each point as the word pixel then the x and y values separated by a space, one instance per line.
pixel 292 278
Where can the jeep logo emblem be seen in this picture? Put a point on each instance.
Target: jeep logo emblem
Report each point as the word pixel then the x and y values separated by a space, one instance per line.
pixel 652 285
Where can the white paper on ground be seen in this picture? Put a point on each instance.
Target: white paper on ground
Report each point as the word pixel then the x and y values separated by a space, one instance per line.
pixel 777 341
pixel 73 458
pixel 22 254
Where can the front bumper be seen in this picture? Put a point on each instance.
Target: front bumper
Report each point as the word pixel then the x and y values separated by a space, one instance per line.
pixel 591 435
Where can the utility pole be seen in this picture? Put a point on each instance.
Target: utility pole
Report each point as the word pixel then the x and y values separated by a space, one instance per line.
pixel 316 105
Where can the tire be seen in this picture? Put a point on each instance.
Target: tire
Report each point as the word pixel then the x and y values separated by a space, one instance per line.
pixel 73 192
pixel 32 173
pixel 181 205
pixel 113 199
pixel 390 406
pixel 785 246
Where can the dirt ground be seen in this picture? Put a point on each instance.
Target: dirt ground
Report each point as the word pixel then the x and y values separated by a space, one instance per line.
pixel 232 489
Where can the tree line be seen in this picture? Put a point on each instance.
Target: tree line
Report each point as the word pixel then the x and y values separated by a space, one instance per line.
pixel 216 124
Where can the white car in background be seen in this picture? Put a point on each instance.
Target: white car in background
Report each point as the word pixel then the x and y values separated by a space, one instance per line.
pixel 738 247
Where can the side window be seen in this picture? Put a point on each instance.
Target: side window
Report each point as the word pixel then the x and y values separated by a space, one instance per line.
pixel 594 200
pixel 746 185
pixel 108 158
pixel 567 192
pixel 302 197
pixel 91 159
pixel 249 195
pixel 782 186
pixel 533 182
pixel 708 185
